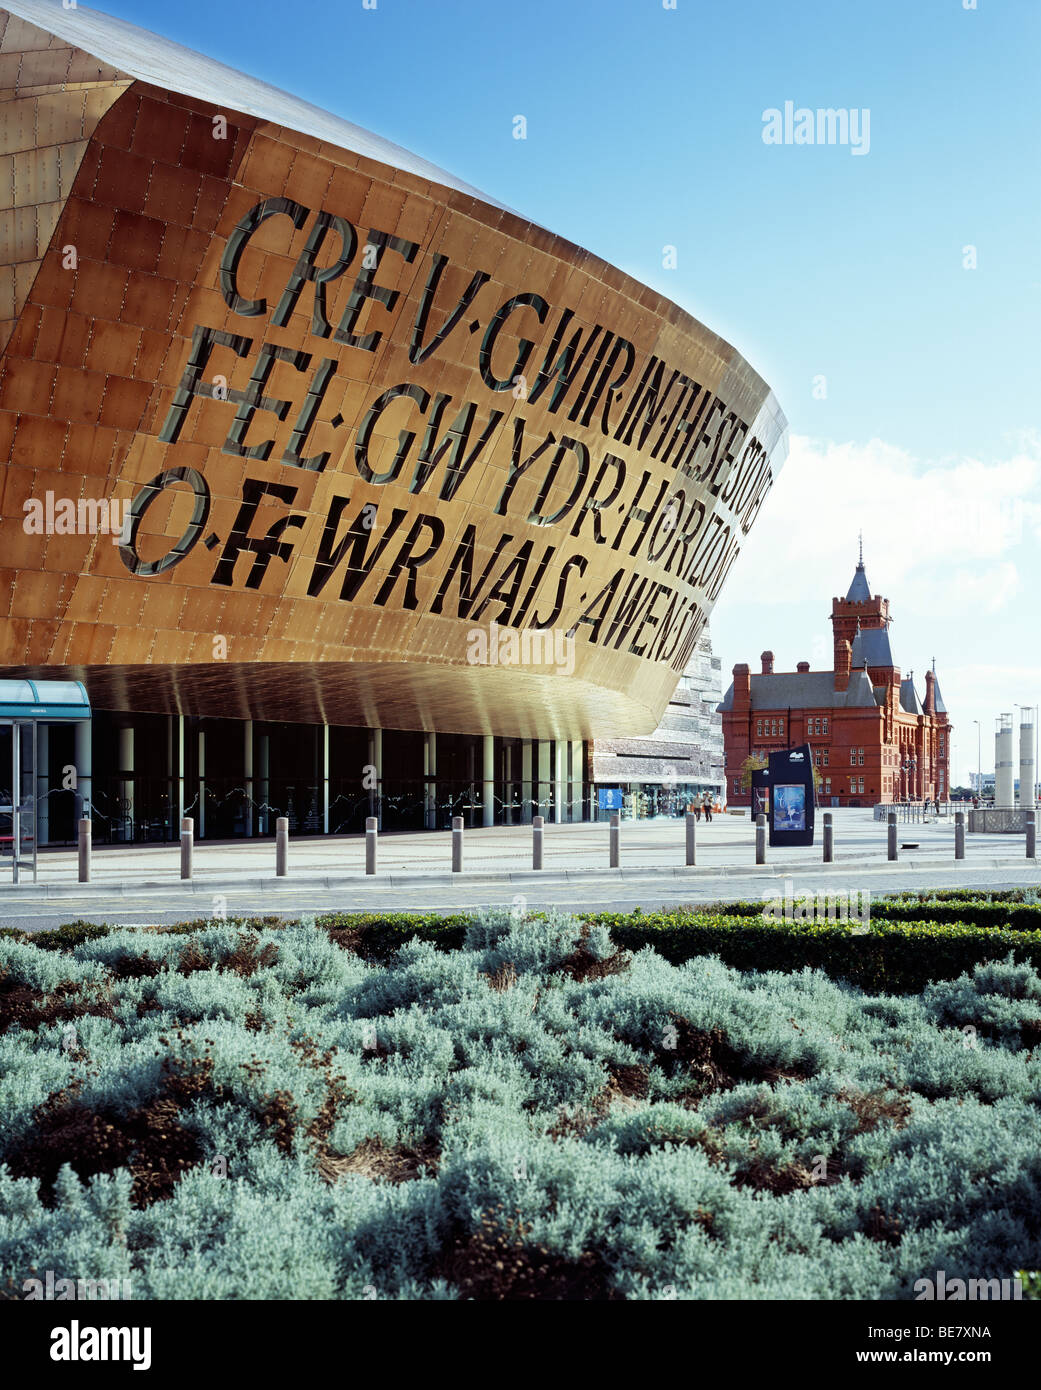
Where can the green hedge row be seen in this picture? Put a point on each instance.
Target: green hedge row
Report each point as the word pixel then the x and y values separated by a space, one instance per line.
pixel 890 957
pixel 1016 916
pixel 1006 910
pixel 73 934
pixel 963 895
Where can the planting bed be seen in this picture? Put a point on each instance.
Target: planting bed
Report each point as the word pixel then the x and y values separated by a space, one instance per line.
pixel 542 1111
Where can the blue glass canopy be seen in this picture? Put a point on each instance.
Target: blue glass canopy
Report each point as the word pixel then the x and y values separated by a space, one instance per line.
pixel 43 700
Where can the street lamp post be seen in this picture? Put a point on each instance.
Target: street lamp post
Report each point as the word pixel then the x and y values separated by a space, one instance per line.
pixel 979 762
pixel 909 766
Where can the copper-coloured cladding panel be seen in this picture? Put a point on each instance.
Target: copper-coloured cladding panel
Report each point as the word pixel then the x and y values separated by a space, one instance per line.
pixel 368 434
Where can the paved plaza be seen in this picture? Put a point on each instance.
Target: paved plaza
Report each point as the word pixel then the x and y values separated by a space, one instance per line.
pixel 139 883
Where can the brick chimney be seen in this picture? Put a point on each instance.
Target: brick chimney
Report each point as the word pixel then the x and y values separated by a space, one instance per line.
pixel 768 663
pixel 742 688
pixel 803 667
pixel 930 692
pixel 843 656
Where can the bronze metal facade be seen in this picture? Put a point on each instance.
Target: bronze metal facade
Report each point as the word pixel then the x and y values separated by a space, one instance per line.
pixel 370 433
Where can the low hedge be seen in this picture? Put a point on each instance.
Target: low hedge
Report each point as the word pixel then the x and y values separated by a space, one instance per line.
pixel 895 957
pixel 1016 916
pixel 963 895
pixel 73 934
pixel 890 957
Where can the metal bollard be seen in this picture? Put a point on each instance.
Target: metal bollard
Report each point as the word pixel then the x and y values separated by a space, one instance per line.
pixel 959 834
pixel 371 830
pixel 281 846
pixel 829 838
pixel 692 849
pixel 1031 837
pixel 537 824
pixel 187 843
pixel 615 835
pixel 891 834
pixel 457 844
pixel 760 838
pixel 83 847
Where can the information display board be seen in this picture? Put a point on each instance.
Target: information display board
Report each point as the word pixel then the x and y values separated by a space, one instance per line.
pixel 783 792
pixel 791 796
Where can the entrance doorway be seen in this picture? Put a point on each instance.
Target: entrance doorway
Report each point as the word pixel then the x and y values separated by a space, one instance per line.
pixel 18 795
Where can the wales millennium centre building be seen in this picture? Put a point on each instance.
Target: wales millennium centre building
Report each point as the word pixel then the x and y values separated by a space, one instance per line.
pixel 329 483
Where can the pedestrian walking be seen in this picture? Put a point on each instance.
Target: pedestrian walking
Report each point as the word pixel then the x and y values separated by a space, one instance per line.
pixel 708 809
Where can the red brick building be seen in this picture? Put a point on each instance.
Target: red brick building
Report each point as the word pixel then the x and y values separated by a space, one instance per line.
pixel 874 739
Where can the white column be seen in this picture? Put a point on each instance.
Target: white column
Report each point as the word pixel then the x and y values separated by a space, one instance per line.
pixel 544 785
pixel 43 768
pixel 488 780
pixel 577 767
pixel 560 779
pixel 325 779
pixel 1003 773
pixel 201 818
pixel 526 786
pixel 83 768
pixel 247 764
pixel 507 810
pixel 1026 760
pixel 430 780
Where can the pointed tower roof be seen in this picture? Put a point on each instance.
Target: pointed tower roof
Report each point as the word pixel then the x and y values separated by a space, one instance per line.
pixel 909 701
pixel 871 647
pixel 941 708
pixel 859 590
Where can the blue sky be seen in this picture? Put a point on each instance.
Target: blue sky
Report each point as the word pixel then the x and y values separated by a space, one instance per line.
pixel 645 130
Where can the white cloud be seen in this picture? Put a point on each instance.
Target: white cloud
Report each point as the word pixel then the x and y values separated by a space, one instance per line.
pixel 949 532
pixel 996 688
pixel 953 543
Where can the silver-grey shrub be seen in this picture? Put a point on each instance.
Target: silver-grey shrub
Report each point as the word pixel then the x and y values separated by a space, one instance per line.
pixel 510 1086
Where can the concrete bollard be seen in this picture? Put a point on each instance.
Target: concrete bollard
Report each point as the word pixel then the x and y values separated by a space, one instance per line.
pixel 829 839
pixel 371 831
pixel 537 824
pixel 281 846
pixel 457 844
pixel 615 835
pixel 959 834
pixel 891 834
pixel 692 848
pixel 83 848
pixel 187 844
pixel 1031 837
pixel 760 838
